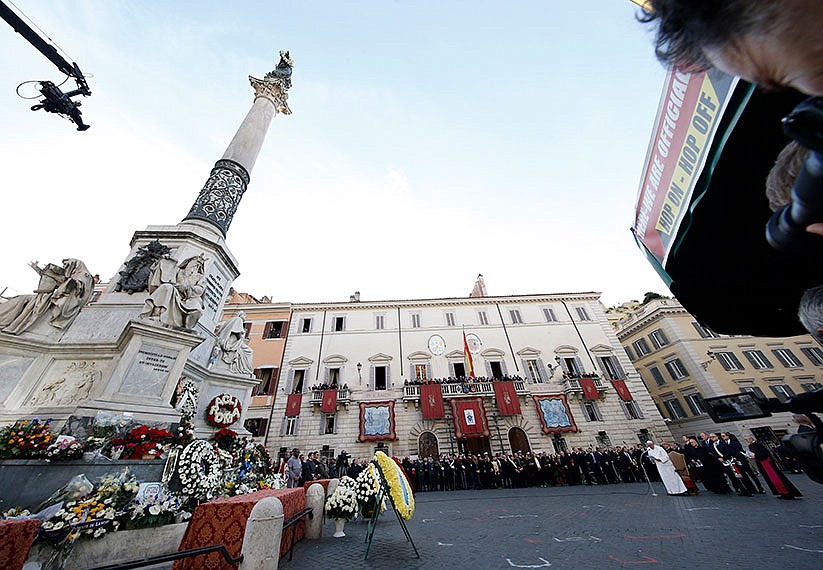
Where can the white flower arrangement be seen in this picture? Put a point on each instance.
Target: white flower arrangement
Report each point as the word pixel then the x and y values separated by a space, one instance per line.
pixel 366 488
pixel 155 510
pixel 348 482
pixel 200 469
pixel 343 503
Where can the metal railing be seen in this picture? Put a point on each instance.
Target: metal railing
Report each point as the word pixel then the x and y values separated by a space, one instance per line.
pixel 151 561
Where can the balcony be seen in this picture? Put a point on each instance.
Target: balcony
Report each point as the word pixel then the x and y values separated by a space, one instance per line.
pixel 343 396
pixel 571 386
pixel 456 390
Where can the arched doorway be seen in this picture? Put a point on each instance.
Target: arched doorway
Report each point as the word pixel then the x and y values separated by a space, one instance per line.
pixel 518 440
pixel 427 445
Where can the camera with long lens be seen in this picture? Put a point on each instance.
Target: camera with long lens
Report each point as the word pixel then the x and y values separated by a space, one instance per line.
pixel 786 230
pixel 805 446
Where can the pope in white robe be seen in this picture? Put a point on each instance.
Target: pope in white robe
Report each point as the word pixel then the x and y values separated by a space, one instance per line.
pixel 672 481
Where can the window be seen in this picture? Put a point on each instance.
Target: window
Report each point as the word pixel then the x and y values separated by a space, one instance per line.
pixel 674 408
pixel 459 369
pixel 811 386
pixel 695 403
pixel 753 390
pixel 328 424
pixel 611 369
pixel 291 426
pixel 582 314
pixel 297 382
pixel 379 322
pixel 758 359
pixel 782 391
pixel 257 426
pixel 676 369
pixel 415 320
pixel 496 368
pixel 786 357
pixel 515 316
pixel 247 328
pixel 380 376
pixel 728 361
pixel 641 347
pixel 658 339
pixel 534 371
pixel 591 413
pixel 482 317
pixel 550 316
pixel 305 325
pixel 657 375
pixel 629 353
pixel 704 332
pixel 273 329
pixel 267 377
pixel 632 410
pixel 339 324
pixel 814 354
pixel 572 366
pixel 421 371
pixel 449 319
pixel 334 376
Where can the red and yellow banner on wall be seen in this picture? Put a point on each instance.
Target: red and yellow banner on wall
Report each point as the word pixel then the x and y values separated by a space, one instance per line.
pixel 469 417
pixel 431 402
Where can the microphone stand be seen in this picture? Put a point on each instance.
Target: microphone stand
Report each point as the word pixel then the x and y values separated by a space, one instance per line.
pixel 648 479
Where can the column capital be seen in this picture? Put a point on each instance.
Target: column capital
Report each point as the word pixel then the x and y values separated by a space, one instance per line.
pixel 275 90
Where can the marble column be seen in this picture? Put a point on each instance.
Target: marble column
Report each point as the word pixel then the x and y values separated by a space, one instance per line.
pixel 218 200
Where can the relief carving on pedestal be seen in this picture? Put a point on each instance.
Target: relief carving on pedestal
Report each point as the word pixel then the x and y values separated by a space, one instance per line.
pixel 73 386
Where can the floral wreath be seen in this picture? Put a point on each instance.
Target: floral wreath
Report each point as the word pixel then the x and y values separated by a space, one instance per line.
pixel 200 469
pixel 399 487
pixel 224 410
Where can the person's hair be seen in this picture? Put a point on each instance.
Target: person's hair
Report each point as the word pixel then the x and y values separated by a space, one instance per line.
pixel 781 177
pixel 810 311
pixel 686 27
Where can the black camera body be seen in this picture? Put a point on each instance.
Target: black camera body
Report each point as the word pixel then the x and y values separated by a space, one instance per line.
pixel 786 229
pixel 805 446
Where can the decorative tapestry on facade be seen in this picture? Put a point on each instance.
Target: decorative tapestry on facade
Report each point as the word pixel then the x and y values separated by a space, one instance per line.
pixel 377 421
pixel 555 416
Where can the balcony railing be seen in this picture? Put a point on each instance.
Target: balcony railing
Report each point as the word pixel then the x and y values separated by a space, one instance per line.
pixel 343 396
pixel 456 390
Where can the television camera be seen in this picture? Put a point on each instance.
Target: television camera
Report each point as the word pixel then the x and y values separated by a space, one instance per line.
pixel 806 446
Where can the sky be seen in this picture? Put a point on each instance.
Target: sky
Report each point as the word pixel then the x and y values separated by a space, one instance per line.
pixel 430 141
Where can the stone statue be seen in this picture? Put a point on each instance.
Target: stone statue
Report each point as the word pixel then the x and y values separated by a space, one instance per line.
pixel 176 292
pixel 135 276
pixel 235 351
pixel 61 292
pixel 282 73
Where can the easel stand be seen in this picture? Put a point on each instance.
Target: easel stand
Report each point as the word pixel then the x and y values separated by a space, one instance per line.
pixel 381 496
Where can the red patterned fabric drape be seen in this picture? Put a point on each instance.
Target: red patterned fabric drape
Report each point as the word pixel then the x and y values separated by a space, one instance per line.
pixel 622 390
pixel 293 405
pixel 329 404
pixel 16 537
pixel 589 389
pixel 469 417
pixel 431 402
pixel 507 401
pixel 224 522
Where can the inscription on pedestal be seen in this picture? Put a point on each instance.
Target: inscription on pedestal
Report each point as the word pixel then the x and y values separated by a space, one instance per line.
pixel 213 296
pixel 148 374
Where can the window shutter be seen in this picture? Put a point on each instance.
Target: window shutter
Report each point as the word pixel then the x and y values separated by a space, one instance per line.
pixel 624 406
pixel 371 377
pixel 543 370
pixel 663 336
pixel 600 364
pixel 387 367
pixel 411 372
pixel 334 430
pixel 428 372
pixel 290 381
pixel 283 427
pixel 789 390
pixel 503 367
pixel 488 369
pixel 584 412
pixel 267 330
pixel 306 380
pixel 579 365
pixel 527 373
pixel 564 365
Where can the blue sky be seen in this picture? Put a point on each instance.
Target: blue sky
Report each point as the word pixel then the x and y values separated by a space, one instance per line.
pixel 430 142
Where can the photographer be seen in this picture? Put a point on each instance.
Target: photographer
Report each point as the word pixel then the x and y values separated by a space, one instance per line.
pixel 769 42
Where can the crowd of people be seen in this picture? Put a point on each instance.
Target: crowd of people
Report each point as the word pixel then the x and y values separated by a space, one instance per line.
pixel 719 461
pixel 462 380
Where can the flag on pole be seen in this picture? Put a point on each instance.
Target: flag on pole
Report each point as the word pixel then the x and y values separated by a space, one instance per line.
pixel 467 356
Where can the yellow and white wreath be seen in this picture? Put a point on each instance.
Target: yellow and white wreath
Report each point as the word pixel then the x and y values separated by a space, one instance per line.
pixel 399 487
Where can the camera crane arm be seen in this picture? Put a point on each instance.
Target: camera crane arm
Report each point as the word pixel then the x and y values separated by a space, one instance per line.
pixel 55 100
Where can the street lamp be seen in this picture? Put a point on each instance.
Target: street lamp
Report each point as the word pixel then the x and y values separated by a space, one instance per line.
pixel 359 368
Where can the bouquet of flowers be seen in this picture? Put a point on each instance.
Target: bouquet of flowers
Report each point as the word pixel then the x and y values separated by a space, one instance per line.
pixel 25 438
pixel 155 510
pixel 343 503
pixel 366 490
pixel 225 439
pixel 65 447
pixel 142 442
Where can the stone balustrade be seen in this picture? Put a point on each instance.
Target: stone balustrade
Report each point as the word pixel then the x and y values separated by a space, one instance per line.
pixel 571 386
pixel 343 396
pixel 458 390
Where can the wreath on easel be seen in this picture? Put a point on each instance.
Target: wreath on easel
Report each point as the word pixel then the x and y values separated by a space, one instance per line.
pixel 224 410
pixel 399 488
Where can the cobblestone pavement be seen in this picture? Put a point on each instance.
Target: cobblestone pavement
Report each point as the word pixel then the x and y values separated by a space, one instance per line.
pixel 607 526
